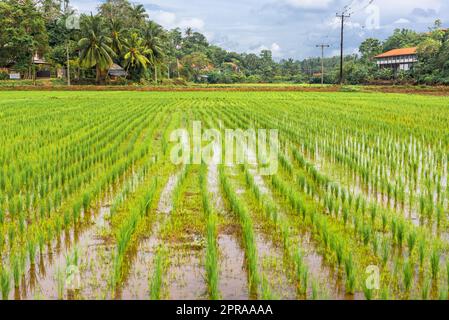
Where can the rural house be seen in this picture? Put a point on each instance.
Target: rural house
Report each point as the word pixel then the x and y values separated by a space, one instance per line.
pixel 398 59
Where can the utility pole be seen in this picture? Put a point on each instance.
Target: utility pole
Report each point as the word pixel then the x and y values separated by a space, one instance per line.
pixel 342 16
pixel 66 13
pixel 68 64
pixel 322 46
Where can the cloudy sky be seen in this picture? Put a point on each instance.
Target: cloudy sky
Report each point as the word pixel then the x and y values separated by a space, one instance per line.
pixel 290 28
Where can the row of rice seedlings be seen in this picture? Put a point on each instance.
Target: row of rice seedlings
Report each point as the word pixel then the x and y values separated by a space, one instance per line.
pixel 103 184
pixel 84 201
pixel 68 164
pixel 127 228
pixel 400 229
pixel 159 268
pixel 31 243
pixel 5 283
pixel 271 212
pixel 244 217
pixel 283 228
pixel 128 224
pixel 401 232
pixel 268 207
pixel 57 225
pixel 84 172
pixel 177 191
pixel 395 193
pixel 211 238
pixel 326 234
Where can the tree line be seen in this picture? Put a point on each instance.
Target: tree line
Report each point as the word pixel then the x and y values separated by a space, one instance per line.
pixel 121 33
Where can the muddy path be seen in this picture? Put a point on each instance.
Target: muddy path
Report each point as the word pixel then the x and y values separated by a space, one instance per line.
pixel 233 277
pixel 42 279
pixel 185 241
pixel 270 262
pixel 135 284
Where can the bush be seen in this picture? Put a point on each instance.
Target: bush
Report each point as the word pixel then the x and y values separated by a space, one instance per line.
pixel 179 82
pixel 384 74
pixel 445 81
pixel 254 79
pixel 4 75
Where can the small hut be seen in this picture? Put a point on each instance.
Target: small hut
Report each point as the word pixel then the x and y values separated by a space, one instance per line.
pixel 43 67
pixel 116 71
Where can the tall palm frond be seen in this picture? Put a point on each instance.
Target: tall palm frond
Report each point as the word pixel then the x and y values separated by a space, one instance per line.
pixel 135 53
pixel 95 46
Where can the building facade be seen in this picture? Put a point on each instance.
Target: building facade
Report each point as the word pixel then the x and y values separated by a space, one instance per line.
pixel 398 59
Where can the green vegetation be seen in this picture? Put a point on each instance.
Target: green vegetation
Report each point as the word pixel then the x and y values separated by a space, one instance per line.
pixel 120 33
pixel 362 181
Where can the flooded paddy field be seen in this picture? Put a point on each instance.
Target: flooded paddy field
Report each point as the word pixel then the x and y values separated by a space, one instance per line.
pixel 136 195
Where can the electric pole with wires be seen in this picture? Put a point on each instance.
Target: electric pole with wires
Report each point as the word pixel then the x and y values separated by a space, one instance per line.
pixel 322 46
pixel 342 16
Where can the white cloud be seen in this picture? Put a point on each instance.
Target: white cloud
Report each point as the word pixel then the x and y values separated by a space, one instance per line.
pixel 335 23
pixel 309 4
pixel 170 20
pixel 402 21
pixel 391 8
pixel 275 49
pixel 163 17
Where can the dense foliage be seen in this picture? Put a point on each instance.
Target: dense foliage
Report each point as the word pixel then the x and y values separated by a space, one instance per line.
pixel 149 53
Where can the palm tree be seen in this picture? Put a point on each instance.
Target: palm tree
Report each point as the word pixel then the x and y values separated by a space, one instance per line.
pixel 138 14
pixel 189 32
pixel 95 46
pixel 155 38
pixel 116 31
pixel 135 53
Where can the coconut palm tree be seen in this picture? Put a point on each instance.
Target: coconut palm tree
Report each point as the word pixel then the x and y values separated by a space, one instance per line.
pixel 135 54
pixel 138 14
pixel 95 46
pixel 155 39
pixel 189 32
pixel 117 35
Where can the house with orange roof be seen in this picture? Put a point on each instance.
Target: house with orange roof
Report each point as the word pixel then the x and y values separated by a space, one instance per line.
pixel 398 59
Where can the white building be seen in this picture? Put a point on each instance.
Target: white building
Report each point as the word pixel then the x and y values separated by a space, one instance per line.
pixel 398 59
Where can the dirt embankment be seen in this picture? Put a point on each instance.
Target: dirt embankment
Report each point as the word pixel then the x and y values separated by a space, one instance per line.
pixel 168 89
pixel 424 90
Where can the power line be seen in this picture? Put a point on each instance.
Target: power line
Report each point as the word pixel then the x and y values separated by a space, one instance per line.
pixel 322 46
pixel 370 2
pixel 342 16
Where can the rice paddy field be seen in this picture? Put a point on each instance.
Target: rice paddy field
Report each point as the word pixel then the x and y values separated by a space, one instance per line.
pixel 92 207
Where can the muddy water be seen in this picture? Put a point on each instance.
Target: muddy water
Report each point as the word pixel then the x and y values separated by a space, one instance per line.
pixel 43 275
pixel 136 285
pixel 270 258
pixel 331 281
pixel 272 265
pixel 96 263
pixel 165 202
pixel 233 280
pixel 233 276
pixel 213 185
pixel 186 275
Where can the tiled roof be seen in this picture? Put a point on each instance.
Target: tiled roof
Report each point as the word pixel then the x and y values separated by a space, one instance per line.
pixel 397 52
